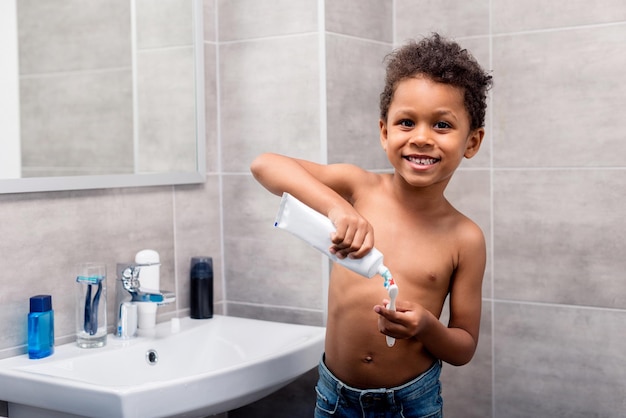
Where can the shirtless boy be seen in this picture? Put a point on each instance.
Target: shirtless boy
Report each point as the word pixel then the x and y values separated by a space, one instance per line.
pixel 432 113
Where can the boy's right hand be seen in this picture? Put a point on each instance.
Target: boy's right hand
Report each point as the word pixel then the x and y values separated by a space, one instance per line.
pixel 354 236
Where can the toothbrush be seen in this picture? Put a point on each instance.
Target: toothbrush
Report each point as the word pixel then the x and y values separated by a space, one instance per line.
pixel 392 289
pixel 393 293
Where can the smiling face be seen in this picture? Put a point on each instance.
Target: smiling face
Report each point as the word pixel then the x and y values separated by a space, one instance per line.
pixel 427 132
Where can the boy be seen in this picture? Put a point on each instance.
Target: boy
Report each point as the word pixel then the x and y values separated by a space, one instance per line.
pixel 432 113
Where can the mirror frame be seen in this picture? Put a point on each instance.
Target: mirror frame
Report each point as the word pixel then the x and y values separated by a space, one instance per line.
pixel 47 184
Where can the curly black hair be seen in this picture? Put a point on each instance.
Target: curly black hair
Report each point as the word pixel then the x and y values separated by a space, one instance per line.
pixel 443 61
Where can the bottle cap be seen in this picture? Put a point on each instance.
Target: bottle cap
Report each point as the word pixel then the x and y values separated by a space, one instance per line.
pixel 202 267
pixel 147 257
pixel 41 303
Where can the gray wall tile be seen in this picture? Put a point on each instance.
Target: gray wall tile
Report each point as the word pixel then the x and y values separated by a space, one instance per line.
pixel 556 361
pixel 209 8
pixel 515 16
pixel 247 19
pixel 292 315
pixel 467 390
pixel 198 233
pixel 369 19
pixel 210 107
pixel 414 19
pixel 559 236
pixel 265 265
pixel 269 99
pixel 480 49
pixel 48 42
pixel 556 91
pixel 354 79
pixel 164 23
pixel 62 116
pixel 469 191
pixel 166 98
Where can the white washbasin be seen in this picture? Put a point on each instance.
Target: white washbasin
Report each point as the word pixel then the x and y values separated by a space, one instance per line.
pixel 207 367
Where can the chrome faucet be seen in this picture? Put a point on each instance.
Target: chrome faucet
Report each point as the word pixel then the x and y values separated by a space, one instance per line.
pixel 129 291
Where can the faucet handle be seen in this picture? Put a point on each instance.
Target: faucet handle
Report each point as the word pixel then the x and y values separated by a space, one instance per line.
pixel 130 278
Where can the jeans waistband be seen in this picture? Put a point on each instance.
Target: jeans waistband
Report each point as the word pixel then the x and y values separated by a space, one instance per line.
pixel 412 388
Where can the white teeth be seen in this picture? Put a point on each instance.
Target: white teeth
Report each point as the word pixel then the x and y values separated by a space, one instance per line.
pixel 422 161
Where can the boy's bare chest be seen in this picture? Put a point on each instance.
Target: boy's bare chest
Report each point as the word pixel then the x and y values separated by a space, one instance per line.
pixel 421 252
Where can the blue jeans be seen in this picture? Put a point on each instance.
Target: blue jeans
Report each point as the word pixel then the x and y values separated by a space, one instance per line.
pixel 419 398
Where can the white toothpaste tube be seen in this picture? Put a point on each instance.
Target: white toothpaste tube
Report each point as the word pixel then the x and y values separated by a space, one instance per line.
pixel 315 229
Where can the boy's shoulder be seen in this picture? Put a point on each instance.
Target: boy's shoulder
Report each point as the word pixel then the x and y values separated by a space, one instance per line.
pixel 467 231
pixel 358 177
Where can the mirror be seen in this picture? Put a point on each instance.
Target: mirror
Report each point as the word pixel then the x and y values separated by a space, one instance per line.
pixel 100 94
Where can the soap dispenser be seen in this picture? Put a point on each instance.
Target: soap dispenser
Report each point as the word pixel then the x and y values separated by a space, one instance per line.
pixel 40 327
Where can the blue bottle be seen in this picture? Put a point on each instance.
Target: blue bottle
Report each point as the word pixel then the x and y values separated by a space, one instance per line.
pixel 40 327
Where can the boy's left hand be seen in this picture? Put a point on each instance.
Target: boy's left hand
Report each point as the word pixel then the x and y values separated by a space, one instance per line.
pixel 407 321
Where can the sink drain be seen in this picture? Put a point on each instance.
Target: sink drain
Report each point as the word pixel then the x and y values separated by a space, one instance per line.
pixel 152 357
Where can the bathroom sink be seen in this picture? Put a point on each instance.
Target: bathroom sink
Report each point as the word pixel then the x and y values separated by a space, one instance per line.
pixel 190 368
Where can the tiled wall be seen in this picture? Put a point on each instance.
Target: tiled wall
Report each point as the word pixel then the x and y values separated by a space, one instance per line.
pixel 547 188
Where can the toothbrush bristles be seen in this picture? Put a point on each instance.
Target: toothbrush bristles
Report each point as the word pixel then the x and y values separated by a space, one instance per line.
pixel 388 282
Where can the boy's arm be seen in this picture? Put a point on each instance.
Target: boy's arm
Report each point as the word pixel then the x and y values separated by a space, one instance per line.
pixel 456 343
pixel 329 189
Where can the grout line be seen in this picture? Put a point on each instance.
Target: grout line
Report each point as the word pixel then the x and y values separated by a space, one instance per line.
pixel 323 109
pixel 558 29
pixel 492 219
pixel 554 305
pixel 220 172
pixel 133 55
pixel 176 278
pixel 267 305
pixel 394 31
pixel 52 74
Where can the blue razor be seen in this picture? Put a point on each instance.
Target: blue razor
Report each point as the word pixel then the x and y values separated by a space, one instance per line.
pixel 90 324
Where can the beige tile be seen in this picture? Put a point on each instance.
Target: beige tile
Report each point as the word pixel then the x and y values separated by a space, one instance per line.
pixel 515 16
pixel 269 100
pixel 414 19
pixel 557 361
pixel 559 236
pixel 555 98
pixel 369 19
pixel 247 19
